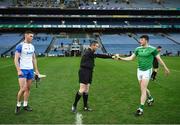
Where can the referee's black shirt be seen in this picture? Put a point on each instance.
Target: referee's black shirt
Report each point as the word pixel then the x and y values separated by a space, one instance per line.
pixel 87 60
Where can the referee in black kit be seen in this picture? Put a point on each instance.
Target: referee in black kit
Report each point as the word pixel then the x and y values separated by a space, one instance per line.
pixel 86 73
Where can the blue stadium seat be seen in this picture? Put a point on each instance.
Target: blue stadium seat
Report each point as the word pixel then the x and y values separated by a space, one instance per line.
pixel 118 43
pixel 8 40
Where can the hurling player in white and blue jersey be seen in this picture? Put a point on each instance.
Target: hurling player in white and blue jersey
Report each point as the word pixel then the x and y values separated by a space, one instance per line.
pixel 26 65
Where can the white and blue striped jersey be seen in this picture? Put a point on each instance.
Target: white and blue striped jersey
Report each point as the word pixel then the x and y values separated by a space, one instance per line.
pixel 26 51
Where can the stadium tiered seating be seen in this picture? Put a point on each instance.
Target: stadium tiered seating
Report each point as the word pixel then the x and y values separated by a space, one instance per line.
pixel 157 39
pixel 8 40
pixel 124 44
pixel 41 42
pixel 65 41
pixel 113 43
pixel 145 4
pixel 119 43
pixel 85 41
pixel 57 49
pixel 100 4
pixel 6 3
pixel 175 36
pixel 117 4
pixel 39 3
pixel 59 46
pixel 167 45
pixel 171 3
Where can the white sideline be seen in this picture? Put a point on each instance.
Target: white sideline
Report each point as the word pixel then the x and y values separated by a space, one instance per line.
pixel 5 66
pixel 174 70
pixel 78 119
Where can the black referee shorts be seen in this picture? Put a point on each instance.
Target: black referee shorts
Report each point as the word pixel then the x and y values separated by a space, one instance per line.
pixel 85 75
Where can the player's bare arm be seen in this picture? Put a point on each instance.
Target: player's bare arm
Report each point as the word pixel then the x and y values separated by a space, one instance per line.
pixel 163 64
pixel 117 57
pixel 16 62
pixel 35 64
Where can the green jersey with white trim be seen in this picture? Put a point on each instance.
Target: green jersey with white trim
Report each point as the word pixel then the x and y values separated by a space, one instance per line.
pixel 145 57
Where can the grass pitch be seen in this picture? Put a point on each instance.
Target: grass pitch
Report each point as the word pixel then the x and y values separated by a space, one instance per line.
pixel 114 94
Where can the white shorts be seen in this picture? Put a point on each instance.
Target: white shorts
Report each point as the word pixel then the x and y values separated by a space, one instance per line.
pixel 144 74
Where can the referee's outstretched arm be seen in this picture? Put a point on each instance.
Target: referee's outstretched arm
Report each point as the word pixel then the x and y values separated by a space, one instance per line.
pixel 106 56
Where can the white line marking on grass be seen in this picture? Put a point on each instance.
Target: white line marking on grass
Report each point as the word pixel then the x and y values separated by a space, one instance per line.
pixel 5 66
pixel 78 118
pixel 174 70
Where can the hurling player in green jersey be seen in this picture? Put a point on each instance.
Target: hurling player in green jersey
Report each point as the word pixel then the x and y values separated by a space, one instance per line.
pixel 145 54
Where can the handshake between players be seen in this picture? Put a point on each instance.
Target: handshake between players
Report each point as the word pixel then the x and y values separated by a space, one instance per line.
pixel 116 57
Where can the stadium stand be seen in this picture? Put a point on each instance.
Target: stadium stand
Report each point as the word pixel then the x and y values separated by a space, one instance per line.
pixel 6 3
pixel 120 23
pixel 175 36
pixel 62 45
pixel 113 43
pixel 125 45
pixel 8 40
pixel 125 4
pixel 119 43
pixel 169 46
pixel 94 4
pixel 41 42
pixel 8 43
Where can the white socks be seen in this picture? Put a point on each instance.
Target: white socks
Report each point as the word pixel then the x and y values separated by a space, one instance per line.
pixel 24 104
pixel 18 104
